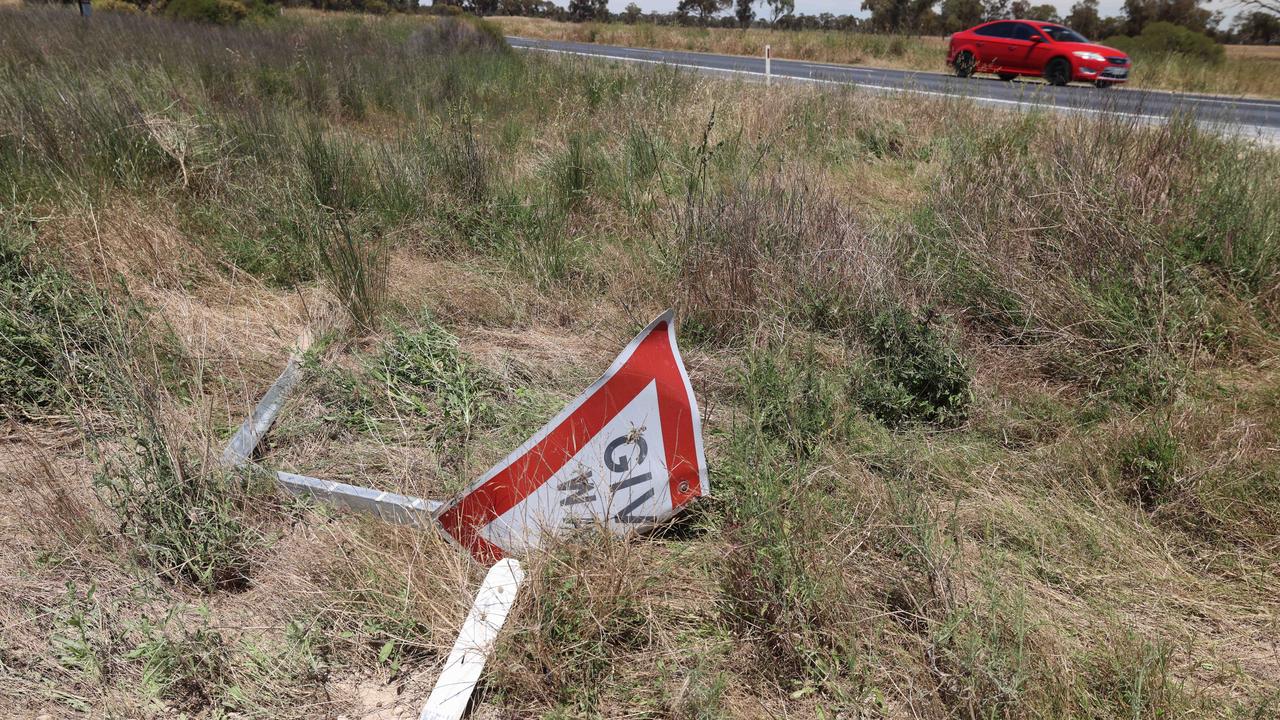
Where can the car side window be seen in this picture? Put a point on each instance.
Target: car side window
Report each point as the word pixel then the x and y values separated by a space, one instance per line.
pixel 1022 31
pixel 1000 30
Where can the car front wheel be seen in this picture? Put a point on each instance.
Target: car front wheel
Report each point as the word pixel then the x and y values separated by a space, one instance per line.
pixel 1103 84
pixel 965 63
pixel 1057 72
pixel 1008 76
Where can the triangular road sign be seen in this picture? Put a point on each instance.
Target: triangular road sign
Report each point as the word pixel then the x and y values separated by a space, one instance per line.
pixel 627 453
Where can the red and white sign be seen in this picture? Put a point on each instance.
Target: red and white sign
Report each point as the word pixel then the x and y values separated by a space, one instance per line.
pixel 627 454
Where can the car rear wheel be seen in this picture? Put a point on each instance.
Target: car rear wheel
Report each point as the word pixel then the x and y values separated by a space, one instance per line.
pixel 1008 76
pixel 965 63
pixel 1103 84
pixel 1058 72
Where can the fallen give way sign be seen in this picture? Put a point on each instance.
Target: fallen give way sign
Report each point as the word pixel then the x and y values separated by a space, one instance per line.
pixel 627 454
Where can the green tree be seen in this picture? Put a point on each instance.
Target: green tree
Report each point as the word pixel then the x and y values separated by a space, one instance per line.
pixel 1257 27
pixel 1085 19
pixel 704 9
pixel 958 15
pixel 631 14
pixel 584 10
pixel 517 7
pixel 780 8
pixel 744 10
pixel 1024 10
pixel 1186 13
pixel 1266 6
pixel 897 15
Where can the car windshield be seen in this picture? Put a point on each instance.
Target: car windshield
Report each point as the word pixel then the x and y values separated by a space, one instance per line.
pixel 1062 34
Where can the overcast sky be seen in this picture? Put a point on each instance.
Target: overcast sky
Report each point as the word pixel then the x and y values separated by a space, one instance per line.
pixel 854 7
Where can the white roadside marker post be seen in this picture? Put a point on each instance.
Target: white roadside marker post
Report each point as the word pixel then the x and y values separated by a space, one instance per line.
pixel 768 70
pixel 449 698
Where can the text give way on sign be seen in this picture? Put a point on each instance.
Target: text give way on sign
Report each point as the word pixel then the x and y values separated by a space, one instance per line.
pixel 626 454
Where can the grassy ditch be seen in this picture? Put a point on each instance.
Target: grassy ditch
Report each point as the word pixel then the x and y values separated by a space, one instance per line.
pixel 990 403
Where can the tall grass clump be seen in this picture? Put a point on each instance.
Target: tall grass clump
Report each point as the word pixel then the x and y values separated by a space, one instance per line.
pixel 354 261
pixel 1087 286
pixel 463 160
pixel 583 611
pixel 352 254
pixel 743 250
pixel 186 518
pixel 780 592
pixel 212 117
pixel 51 327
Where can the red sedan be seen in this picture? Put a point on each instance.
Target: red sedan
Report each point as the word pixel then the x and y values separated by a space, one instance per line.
pixel 1060 55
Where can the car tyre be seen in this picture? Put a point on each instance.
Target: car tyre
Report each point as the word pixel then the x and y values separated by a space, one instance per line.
pixel 1008 76
pixel 965 64
pixel 1103 84
pixel 1058 72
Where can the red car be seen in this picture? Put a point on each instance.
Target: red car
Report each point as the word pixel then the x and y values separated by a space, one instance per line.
pixel 1059 54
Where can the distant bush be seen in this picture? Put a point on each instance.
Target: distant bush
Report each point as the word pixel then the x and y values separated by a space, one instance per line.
pixel 120 6
pixel 216 12
pixel 1165 38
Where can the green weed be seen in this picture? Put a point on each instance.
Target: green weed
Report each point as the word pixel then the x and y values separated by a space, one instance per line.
pixel 792 400
pixel 1150 461
pixel 186 519
pixel 914 374
pixel 190 668
pixel 426 367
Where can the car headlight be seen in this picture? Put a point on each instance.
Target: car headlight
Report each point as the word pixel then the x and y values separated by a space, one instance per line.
pixel 1084 55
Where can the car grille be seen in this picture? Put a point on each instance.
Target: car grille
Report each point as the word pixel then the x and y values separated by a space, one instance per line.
pixel 1118 61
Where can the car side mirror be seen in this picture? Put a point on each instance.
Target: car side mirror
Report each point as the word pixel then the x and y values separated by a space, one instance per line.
pixel 1037 39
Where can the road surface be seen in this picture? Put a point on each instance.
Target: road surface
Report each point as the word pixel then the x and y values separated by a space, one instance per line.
pixel 1244 116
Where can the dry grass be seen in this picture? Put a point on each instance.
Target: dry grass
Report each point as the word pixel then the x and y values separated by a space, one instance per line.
pixel 1095 536
pixel 1248 70
pixel 1265 52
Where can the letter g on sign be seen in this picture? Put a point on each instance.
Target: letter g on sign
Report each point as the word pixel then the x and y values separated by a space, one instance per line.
pixel 622 463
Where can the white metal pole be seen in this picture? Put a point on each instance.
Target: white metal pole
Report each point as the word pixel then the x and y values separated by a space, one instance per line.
pixel 768 70
pixel 475 641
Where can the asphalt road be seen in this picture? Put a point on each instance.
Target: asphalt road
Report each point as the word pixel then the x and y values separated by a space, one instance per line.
pixel 1245 116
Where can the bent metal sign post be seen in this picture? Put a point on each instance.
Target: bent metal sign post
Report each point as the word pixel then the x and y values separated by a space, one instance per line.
pixel 626 455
